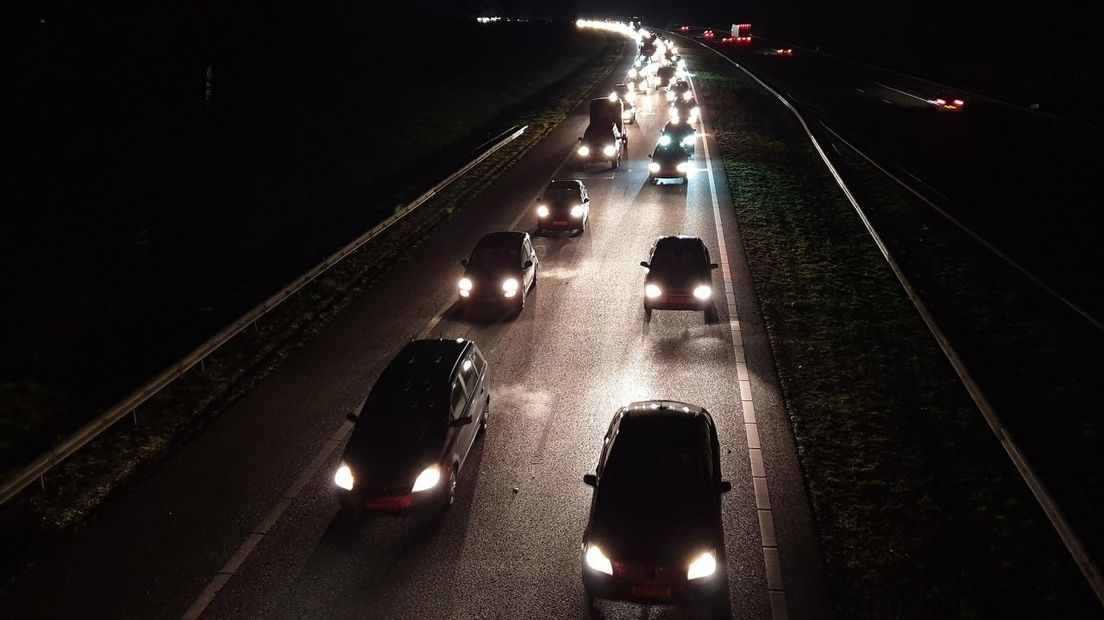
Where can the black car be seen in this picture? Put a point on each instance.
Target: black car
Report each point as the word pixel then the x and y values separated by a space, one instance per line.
pixel 564 206
pixel 680 89
pixel 655 535
pixel 669 161
pixel 602 142
pixel 665 74
pixel 416 428
pixel 684 110
pixel 680 133
pixel 679 277
pixel 501 270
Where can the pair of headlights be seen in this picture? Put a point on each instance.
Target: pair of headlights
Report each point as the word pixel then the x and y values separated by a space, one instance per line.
pixel 703 291
pixel 576 211
pixel 509 287
pixel 609 150
pixel 426 480
pixel 702 566
pixel 681 167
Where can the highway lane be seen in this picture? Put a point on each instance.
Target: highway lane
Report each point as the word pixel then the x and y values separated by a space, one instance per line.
pixel 1025 182
pixel 580 349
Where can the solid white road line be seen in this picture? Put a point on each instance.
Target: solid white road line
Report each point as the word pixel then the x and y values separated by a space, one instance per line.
pixel 772 561
pixel 897 90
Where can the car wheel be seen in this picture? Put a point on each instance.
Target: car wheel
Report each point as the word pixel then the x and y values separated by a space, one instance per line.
pixel 647 314
pixel 486 422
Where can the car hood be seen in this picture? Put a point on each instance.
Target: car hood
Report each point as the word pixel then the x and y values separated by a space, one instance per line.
pixel 678 278
pixel 659 534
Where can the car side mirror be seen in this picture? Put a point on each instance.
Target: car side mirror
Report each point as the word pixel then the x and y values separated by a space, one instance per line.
pixel 464 262
pixel 590 480
pixel 352 417
pixel 580 138
pixel 463 421
pixel 725 486
pixel 644 263
pixel 527 264
pixel 713 265
pixel 587 199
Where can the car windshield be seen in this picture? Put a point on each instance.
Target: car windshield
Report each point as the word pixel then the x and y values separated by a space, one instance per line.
pixel 498 254
pixel 599 132
pixel 678 256
pixel 658 459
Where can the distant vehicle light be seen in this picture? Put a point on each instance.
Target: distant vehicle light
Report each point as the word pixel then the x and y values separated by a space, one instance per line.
pixel 584 150
pixel 959 102
pixel 652 291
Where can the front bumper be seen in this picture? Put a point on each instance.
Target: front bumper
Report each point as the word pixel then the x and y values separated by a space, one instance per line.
pixel 654 591
pixel 370 502
pixel 668 173
pixel 677 301
pixel 555 222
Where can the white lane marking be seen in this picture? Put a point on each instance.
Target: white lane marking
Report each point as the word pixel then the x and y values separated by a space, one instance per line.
pixel 887 101
pixel 897 90
pixel 1057 519
pixel 776 590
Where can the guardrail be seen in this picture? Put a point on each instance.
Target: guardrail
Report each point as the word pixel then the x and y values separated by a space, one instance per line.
pixel 14 484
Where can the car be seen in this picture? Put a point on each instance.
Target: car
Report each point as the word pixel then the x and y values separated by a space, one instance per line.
pixel 684 110
pixel 636 82
pixel 680 88
pixel 680 133
pixel 416 429
pixel 780 51
pixel 670 160
pixel 684 28
pixel 948 103
pixel 655 533
pixel 664 75
pixel 564 206
pixel 627 96
pixel 602 142
pixel 679 277
pixel 708 35
pixel 501 271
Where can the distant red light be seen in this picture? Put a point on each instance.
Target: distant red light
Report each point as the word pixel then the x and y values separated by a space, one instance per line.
pixel 959 102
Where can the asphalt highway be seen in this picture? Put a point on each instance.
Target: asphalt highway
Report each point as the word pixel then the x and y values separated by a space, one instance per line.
pixel 509 547
pixel 1023 181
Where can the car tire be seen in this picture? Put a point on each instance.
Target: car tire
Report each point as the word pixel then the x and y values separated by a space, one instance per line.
pixel 647 313
pixel 486 421
pixel 450 488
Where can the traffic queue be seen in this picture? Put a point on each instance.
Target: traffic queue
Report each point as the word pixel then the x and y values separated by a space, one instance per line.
pixel 654 534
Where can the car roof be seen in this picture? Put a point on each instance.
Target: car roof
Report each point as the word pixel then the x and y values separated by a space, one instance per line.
pixel 421 358
pixel 565 184
pixel 501 238
pixel 673 241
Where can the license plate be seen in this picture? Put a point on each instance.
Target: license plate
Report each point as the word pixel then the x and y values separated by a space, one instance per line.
pixel 560 222
pixel 646 592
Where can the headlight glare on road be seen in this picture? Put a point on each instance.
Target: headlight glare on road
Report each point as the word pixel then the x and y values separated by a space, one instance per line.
pixel 542 211
pixel 703 292
pixel 609 150
pixel 703 566
pixel 577 211
pixel 343 477
pixel 426 480
pixel 584 150
pixel 651 291
pixel 681 167
pixel 598 561
pixel 653 167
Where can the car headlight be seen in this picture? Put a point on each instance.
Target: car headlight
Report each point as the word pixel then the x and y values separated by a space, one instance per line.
pixel 651 291
pixel 674 118
pixel 694 111
pixel 670 96
pixel 465 284
pixel 510 286
pixel 426 480
pixel 703 566
pixel 681 167
pixel 598 561
pixel 584 150
pixel 609 150
pixel 613 96
pixel 542 211
pixel 577 211
pixel 632 73
pixel 703 292
pixel 688 141
pixel 665 140
pixel 343 477
pixel 686 96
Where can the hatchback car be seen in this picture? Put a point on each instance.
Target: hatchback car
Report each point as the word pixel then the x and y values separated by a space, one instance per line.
pixel 679 277
pixel 601 142
pixel 564 206
pixel 416 429
pixel 655 534
pixel 670 160
pixel 501 271
pixel 680 133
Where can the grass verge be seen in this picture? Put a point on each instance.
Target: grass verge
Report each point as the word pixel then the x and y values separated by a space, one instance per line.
pixel 81 484
pixel 919 513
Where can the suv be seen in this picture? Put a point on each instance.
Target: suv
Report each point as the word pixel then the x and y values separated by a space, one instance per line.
pixel 654 534
pixel 679 277
pixel 502 269
pixel 416 428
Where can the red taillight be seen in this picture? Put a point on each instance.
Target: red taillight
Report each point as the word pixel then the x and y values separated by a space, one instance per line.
pixel 940 102
pixel 959 102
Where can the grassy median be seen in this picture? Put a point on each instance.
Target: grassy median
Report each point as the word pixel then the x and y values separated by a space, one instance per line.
pixel 88 478
pixel 919 512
